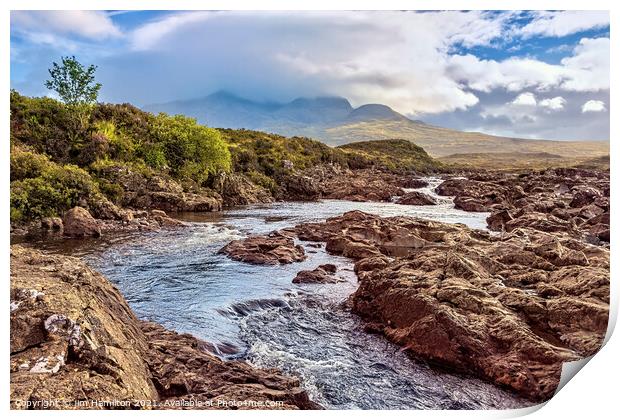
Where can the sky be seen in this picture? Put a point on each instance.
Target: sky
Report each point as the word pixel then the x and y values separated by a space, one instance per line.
pixel 511 73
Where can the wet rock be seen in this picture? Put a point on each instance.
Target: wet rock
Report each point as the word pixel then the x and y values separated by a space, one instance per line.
pixel 462 299
pixel 275 248
pixel 416 198
pixel 78 223
pixel 53 224
pixel 322 274
pixel 470 204
pixel 181 368
pixel 74 338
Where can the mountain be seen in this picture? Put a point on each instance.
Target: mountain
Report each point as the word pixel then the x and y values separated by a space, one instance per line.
pixel 334 121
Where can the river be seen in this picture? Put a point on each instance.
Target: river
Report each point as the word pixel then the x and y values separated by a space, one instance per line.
pixel 255 313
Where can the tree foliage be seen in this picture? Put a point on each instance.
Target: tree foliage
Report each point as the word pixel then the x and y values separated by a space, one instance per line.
pixel 74 83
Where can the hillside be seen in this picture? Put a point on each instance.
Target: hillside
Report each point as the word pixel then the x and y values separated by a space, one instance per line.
pixel 394 155
pixel 118 156
pixel 334 121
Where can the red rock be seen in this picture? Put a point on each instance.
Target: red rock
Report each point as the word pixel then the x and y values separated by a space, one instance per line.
pixel 464 300
pixel 321 275
pixel 274 248
pixel 78 223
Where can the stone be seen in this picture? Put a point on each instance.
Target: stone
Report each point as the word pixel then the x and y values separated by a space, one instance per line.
pixel 322 275
pixel 275 248
pixel 416 198
pixel 510 309
pixel 78 223
pixel 52 224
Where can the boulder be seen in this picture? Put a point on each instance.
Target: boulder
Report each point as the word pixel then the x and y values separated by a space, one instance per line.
pixel 322 274
pixel 416 198
pixel 275 248
pixel 498 219
pixel 53 224
pixel 78 223
pixel 237 189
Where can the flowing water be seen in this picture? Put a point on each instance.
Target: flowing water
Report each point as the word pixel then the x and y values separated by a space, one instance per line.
pixel 178 279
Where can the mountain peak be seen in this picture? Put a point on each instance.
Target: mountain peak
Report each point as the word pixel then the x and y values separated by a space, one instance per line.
pixel 225 95
pixel 322 101
pixel 375 112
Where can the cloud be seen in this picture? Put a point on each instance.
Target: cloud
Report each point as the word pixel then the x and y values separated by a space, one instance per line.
pixel 396 58
pixel 562 23
pixel 148 35
pixel 420 63
pixel 554 104
pixel 45 25
pixel 593 106
pixel 525 99
pixel 587 69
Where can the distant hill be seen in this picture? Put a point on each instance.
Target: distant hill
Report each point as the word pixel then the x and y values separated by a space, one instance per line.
pixel 335 122
pixel 391 154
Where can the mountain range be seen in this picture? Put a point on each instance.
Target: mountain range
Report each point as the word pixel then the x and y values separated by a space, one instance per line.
pixel 334 121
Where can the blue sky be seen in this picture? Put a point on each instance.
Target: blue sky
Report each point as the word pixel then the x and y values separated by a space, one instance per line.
pixel 522 74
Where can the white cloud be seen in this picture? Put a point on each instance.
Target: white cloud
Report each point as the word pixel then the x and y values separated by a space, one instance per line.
pixel 586 70
pixel 562 23
pixel 525 99
pixel 89 24
pixel 554 104
pixel 148 35
pixel 593 106
pixel 410 61
pixel 396 58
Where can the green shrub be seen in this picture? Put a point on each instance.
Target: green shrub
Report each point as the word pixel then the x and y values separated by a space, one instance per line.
pixel 192 151
pixel 46 188
pixel 26 164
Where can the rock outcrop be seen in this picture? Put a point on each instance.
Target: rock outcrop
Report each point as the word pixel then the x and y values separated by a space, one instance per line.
pixel 573 201
pixel 75 341
pixel 147 192
pixel 275 248
pixel 510 308
pixel 236 189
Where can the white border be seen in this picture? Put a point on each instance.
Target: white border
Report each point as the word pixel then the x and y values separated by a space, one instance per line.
pixel 591 395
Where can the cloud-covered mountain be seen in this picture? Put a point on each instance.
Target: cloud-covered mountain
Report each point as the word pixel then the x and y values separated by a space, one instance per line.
pixel 334 121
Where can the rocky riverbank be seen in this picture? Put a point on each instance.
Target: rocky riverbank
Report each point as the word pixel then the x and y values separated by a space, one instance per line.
pixel 148 202
pixel 567 201
pixel 75 341
pixel 510 309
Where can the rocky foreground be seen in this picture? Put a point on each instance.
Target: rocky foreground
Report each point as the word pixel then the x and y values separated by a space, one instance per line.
pixel 509 307
pixel 75 344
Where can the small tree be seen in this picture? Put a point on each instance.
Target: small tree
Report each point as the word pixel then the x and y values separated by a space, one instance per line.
pixel 74 83
pixel 76 86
